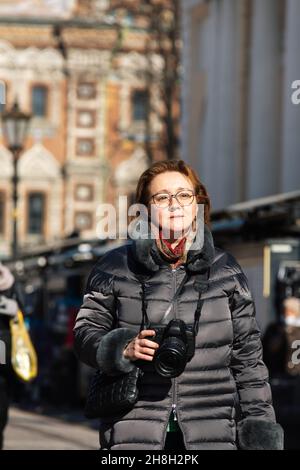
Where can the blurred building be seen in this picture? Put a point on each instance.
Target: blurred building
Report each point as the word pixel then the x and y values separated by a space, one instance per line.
pixel 240 130
pixel 85 79
pixel 240 126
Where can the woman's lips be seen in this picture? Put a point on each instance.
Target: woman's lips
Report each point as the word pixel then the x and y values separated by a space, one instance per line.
pixel 176 216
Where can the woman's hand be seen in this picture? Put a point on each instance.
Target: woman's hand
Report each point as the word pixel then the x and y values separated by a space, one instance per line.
pixel 140 347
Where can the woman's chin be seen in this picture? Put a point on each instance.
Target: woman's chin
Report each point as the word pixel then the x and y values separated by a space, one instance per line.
pixel 175 229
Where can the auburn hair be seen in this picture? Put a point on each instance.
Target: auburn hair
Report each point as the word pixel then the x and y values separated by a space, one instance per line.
pixel 142 194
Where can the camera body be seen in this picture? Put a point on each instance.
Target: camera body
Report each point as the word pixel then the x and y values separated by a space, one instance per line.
pixel 176 342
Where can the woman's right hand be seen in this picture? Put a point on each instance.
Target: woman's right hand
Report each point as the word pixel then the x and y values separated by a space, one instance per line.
pixel 140 347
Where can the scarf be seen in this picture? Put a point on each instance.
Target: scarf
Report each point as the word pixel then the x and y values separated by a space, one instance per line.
pixel 175 255
pixel 199 252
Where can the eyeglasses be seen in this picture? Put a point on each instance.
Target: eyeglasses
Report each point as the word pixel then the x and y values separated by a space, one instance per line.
pixel 183 197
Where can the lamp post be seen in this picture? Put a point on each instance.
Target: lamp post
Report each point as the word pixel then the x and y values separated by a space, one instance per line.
pixel 15 126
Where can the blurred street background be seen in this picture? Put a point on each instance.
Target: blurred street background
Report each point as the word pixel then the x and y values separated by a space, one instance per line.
pixel 32 431
pixel 92 92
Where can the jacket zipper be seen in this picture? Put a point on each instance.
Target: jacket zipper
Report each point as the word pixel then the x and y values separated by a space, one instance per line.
pixel 174 385
pixel 173 408
pixel 174 284
pixel 174 412
pixel 174 405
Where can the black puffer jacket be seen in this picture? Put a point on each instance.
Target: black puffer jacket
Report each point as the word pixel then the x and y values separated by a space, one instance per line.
pixel 226 371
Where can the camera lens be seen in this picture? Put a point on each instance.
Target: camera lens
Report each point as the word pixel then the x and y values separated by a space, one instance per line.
pixel 170 359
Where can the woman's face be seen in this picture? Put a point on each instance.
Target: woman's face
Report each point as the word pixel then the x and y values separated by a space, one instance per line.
pixel 173 218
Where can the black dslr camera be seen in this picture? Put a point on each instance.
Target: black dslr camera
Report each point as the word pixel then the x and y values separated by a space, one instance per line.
pixel 176 347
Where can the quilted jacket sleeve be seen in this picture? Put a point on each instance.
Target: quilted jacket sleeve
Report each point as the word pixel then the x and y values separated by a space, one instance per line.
pixel 257 429
pixel 250 373
pixel 98 341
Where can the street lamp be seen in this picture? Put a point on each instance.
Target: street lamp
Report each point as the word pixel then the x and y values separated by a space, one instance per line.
pixel 15 126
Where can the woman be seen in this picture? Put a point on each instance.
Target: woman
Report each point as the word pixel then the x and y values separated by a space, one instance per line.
pixel 197 408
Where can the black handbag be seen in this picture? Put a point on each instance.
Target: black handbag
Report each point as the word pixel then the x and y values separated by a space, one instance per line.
pixel 112 395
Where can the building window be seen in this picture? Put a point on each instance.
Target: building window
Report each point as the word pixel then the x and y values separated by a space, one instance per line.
pixel 85 147
pixel 140 105
pixel 39 100
pixel 2 213
pixel 85 118
pixel 83 221
pixel 36 213
pixel 86 91
pixel 84 192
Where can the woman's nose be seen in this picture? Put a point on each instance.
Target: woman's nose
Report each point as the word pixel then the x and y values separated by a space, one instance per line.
pixel 173 200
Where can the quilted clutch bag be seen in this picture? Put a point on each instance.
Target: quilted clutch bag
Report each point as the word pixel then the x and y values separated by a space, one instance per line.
pixel 112 395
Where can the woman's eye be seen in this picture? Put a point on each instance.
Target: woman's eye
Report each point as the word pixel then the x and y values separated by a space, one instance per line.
pixel 162 197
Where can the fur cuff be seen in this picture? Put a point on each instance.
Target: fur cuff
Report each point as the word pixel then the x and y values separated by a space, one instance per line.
pixel 109 355
pixel 259 434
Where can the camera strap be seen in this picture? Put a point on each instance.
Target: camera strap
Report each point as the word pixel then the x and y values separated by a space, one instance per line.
pixel 197 315
pixel 201 288
pixel 145 321
pixel 176 295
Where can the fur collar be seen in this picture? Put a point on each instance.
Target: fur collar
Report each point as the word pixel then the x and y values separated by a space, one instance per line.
pixel 199 258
